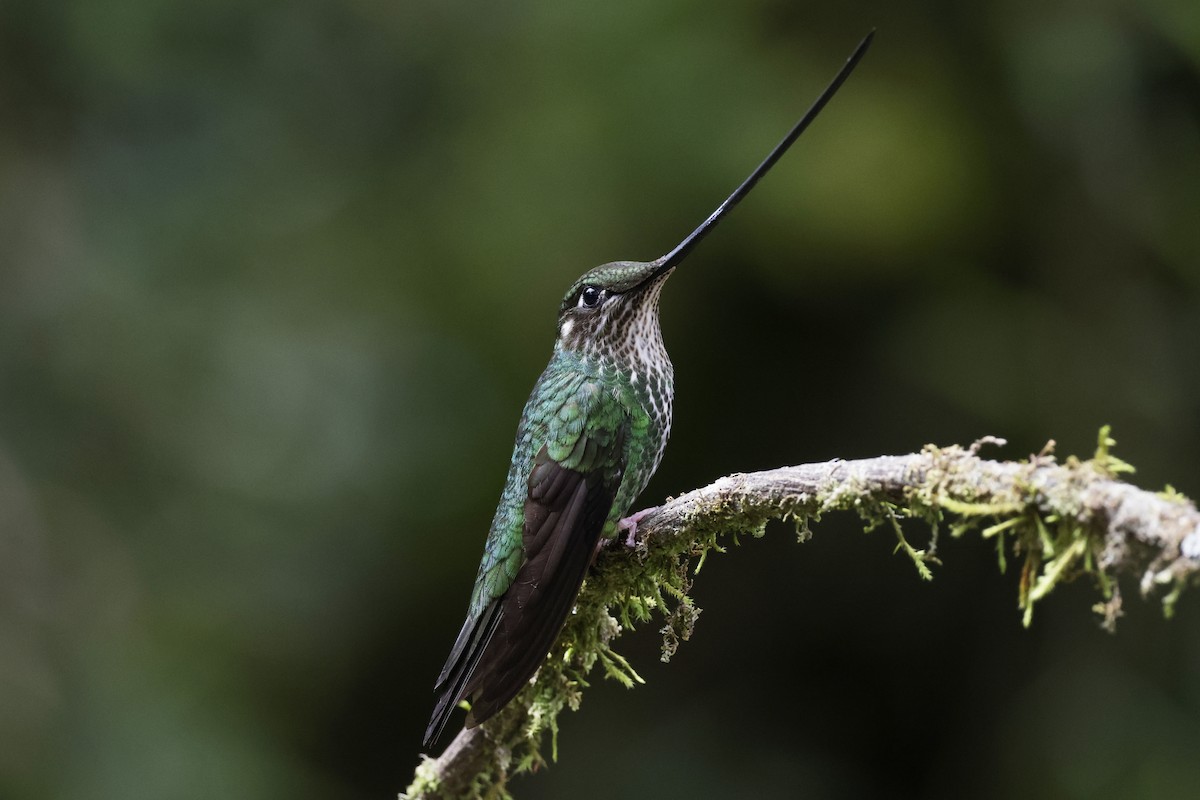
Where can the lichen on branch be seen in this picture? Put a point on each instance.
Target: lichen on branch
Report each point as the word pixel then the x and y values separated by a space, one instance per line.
pixel 1058 521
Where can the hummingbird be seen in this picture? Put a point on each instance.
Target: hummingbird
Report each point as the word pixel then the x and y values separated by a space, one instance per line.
pixel 592 434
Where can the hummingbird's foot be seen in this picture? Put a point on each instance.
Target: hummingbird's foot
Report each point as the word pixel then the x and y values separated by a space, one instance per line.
pixel 629 525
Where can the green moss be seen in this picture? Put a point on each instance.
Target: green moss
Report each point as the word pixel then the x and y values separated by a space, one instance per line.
pixel 1040 525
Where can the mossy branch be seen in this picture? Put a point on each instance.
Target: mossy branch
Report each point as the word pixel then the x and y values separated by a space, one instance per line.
pixel 1061 520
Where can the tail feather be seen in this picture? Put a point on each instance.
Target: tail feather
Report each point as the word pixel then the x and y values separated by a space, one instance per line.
pixel 451 684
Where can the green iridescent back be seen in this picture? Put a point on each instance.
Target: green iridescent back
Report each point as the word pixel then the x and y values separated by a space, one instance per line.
pixel 615 355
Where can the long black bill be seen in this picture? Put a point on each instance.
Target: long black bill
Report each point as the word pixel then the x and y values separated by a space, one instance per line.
pixel 681 250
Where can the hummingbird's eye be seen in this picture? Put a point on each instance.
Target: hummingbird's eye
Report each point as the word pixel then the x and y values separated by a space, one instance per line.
pixel 590 297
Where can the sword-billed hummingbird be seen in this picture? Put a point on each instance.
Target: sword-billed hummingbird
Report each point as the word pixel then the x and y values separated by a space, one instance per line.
pixel 592 433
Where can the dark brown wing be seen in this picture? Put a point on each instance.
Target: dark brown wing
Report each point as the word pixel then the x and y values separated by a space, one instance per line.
pixel 567 500
pixel 565 511
pixel 497 653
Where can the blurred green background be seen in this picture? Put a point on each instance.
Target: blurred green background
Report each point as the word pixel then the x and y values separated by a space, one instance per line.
pixel 276 279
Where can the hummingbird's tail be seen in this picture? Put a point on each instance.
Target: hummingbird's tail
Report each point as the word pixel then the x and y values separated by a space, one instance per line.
pixel 441 714
pixel 452 683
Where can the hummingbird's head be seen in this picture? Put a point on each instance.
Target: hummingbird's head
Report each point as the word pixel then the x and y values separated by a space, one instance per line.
pixel 612 310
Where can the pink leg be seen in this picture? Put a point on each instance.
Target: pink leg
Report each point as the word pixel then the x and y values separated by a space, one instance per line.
pixel 630 524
